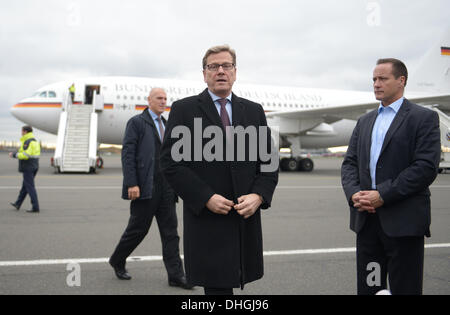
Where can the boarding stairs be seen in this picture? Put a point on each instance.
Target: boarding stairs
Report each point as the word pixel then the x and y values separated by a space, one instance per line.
pixel 444 122
pixel 76 148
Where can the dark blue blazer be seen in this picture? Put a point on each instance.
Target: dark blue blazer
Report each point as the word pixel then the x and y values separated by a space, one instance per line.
pixel 407 166
pixel 138 155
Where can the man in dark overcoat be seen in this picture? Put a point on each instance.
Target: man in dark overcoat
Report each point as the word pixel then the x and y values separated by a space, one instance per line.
pixel 150 194
pixel 223 192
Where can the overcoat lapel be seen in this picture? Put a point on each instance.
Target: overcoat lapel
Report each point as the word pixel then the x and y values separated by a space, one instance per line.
pixel 207 106
pixel 238 113
pixel 146 117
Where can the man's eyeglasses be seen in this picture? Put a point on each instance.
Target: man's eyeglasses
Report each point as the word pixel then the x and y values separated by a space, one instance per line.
pixel 216 66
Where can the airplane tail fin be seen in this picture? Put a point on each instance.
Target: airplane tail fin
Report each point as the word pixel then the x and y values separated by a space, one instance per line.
pixel 433 73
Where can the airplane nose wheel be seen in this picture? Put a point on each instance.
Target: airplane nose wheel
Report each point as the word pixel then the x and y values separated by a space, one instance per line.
pixel 99 162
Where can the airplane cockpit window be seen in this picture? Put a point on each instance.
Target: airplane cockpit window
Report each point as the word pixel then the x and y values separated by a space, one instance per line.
pixel 51 94
pixel 43 94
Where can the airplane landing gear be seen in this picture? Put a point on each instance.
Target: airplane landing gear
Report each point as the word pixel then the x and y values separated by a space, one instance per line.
pixel 297 164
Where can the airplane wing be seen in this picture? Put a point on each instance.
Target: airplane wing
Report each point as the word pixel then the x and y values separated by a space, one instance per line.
pixel 332 114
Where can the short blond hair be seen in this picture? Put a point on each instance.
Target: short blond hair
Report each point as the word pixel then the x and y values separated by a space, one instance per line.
pixel 218 49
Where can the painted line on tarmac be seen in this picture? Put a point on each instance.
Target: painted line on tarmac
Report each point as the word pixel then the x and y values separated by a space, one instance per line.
pixel 119 187
pixel 64 187
pixel 340 187
pixel 159 258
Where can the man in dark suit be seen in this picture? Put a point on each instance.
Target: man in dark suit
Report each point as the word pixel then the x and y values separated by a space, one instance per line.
pixel 392 159
pixel 222 197
pixel 150 194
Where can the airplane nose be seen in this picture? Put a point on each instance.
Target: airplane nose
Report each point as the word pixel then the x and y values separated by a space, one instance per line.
pixel 15 111
pixel 20 112
pixel 40 115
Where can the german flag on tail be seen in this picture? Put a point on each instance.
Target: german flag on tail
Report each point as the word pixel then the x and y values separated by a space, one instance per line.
pixel 445 51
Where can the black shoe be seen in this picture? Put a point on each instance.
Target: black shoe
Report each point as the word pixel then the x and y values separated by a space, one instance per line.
pixel 14 205
pixel 33 211
pixel 121 272
pixel 180 282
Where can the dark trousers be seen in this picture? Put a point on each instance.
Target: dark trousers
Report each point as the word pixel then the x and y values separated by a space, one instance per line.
pixel 161 206
pixel 380 256
pixel 215 291
pixel 28 189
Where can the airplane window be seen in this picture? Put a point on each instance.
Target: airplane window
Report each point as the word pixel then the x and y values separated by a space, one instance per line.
pixel 139 98
pixel 118 97
pixel 131 97
pixel 51 94
pixel 124 97
pixel 43 94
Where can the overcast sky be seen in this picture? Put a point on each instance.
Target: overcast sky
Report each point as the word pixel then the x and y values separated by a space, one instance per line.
pixel 328 44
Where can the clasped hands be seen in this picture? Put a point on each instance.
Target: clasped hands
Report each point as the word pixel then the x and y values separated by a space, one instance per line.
pixel 367 200
pixel 246 207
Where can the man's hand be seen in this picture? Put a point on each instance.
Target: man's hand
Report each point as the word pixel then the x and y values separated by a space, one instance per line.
pixel 248 204
pixel 219 204
pixel 367 200
pixel 11 155
pixel 134 193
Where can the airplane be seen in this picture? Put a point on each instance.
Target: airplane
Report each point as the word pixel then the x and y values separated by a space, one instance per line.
pixel 306 118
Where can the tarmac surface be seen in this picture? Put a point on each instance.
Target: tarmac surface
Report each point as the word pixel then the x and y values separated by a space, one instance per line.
pixel 309 248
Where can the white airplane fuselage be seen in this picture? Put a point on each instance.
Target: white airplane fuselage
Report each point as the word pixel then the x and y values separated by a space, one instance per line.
pixel 125 97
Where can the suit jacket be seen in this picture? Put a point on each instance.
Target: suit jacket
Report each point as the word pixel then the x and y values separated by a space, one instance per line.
pixel 140 155
pixel 220 251
pixel 407 166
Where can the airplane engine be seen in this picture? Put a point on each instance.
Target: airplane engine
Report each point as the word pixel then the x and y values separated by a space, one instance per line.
pixel 323 129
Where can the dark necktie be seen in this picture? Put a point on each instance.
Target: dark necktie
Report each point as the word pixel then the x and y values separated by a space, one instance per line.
pixel 223 112
pixel 161 129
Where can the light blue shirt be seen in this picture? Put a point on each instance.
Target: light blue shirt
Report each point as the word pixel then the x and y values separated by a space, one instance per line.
pixel 227 107
pixel 155 117
pixel 384 120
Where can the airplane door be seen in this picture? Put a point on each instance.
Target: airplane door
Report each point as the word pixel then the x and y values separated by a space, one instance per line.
pixel 89 93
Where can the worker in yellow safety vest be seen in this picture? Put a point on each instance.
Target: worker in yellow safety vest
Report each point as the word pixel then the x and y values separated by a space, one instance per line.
pixel 28 156
pixel 72 91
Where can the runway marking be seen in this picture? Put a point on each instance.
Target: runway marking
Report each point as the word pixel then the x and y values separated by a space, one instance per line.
pixel 339 187
pixel 119 187
pixel 47 262
pixel 64 187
